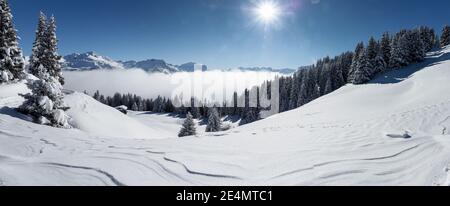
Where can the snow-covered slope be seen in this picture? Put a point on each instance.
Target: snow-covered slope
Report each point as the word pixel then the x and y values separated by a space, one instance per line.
pixel 89 61
pixel 350 137
pixel 97 119
pixel 152 66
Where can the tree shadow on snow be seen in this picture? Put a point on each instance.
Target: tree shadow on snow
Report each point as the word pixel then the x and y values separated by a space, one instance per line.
pixel 160 114
pixel 399 75
pixel 15 114
pixel 232 118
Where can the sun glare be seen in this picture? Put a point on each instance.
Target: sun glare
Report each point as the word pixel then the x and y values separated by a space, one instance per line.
pixel 267 12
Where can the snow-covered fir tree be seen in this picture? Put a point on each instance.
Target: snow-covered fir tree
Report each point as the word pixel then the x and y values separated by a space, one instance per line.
pixel 11 58
pixel 285 93
pixel 214 122
pixel 417 47
pixel 359 50
pixel 134 107
pixel 97 96
pixel 188 128
pixel 372 48
pixel 398 50
pixel 52 59
pixel 427 36
pixel 376 58
pixel 379 63
pixel 316 92
pixel 251 111
pixel 45 102
pixel 385 47
pixel 195 112
pixel 39 46
pixel 364 69
pixel 328 86
pixel 293 99
pixel 445 37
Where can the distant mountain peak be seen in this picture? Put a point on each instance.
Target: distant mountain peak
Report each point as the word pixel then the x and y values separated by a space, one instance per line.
pixel 152 66
pixel 93 61
pixel 89 61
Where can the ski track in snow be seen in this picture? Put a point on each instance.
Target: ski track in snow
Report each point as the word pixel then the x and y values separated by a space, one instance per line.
pixel 111 177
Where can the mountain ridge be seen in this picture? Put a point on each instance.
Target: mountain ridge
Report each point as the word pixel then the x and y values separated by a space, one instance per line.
pixel 92 61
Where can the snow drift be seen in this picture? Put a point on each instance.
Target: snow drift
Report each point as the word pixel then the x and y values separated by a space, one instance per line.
pixel 100 120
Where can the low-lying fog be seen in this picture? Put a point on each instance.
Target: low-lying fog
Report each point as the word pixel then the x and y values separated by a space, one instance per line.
pixel 203 85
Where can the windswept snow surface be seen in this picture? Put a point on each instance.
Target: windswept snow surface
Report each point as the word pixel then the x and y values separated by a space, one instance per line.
pixel 97 119
pixel 344 138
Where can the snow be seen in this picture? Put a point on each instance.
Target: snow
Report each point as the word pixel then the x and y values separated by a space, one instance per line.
pixel 339 139
pixel 168 126
pixel 89 61
pixel 9 94
pixel 97 119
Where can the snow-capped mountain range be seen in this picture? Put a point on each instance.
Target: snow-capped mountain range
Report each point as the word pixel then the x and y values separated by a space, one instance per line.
pixel 92 61
pixel 89 61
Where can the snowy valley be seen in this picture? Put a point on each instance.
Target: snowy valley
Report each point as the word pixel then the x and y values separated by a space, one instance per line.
pixel 353 136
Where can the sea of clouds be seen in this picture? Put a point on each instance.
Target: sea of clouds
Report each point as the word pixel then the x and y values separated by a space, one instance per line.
pixel 210 85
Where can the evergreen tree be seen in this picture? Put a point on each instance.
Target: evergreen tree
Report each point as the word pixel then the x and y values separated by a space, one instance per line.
pixel 399 50
pixel 303 98
pixel 385 47
pixel 188 128
pixel 417 48
pixel 38 45
pixel 356 59
pixel 445 37
pixel 195 112
pixel 374 55
pixel 295 91
pixel 250 115
pixel 102 99
pixel 363 71
pixel 251 109
pixel 45 102
pixel 52 58
pixel 11 59
pixel 328 86
pixel 372 48
pixel 316 92
pixel 379 63
pixel 134 107
pixel 214 122
pixel 96 95
pixel 427 36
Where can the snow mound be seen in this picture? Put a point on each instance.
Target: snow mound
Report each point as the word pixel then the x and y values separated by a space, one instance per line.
pixel 9 94
pixel 100 120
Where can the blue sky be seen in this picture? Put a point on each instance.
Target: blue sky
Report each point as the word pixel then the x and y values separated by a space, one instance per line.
pixel 223 33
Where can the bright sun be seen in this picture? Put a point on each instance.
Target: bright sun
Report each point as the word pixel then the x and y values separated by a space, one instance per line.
pixel 267 12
